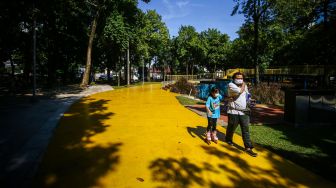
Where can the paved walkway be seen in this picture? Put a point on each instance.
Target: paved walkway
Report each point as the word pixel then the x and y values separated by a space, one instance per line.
pixel 25 131
pixel 142 137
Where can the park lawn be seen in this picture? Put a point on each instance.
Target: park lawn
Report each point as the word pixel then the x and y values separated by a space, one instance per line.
pixel 310 147
pixel 187 101
pixel 135 84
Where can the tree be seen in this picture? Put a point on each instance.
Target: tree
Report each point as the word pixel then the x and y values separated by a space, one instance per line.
pixel 189 47
pixel 155 38
pixel 216 49
pixel 102 6
pixel 258 13
pixel 115 39
pixel 14 35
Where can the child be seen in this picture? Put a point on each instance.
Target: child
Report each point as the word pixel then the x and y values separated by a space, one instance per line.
pixel 213 112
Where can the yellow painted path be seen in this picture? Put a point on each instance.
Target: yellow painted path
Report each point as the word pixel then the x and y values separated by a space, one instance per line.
pixel 142 137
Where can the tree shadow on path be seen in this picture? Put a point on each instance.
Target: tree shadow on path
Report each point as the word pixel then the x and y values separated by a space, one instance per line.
pixel 72 158
pixel 235 170
pixel 199 131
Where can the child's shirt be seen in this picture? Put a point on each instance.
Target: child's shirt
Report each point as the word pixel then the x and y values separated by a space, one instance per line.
pixel 214 106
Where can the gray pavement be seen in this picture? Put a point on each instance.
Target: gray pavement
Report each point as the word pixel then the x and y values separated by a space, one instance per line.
pixel 25 130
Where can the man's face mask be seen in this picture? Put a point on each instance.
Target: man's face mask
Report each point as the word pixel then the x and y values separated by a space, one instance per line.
pixel 238 81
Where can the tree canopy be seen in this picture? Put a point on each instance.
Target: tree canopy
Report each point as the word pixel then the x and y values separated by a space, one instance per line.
pixel 95 35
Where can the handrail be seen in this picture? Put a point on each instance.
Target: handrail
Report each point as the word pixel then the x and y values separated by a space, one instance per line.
pixel 309 70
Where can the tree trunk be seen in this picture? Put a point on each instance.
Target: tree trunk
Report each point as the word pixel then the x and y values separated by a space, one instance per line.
pixel 164 74
pixel 119 75
pixel 119 70
pixel 325 13
pixel 256 40
pixel 128 65
pixel 86 76
pixel 214 72
pixel 187 73
pixel 148 72
pixel 325 22
pixel 143 72
pixel 12 88
pixel 108 74
pixel 125 68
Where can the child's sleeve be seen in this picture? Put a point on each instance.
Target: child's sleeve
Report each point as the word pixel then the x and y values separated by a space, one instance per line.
pixel 207 104
pixel 220 97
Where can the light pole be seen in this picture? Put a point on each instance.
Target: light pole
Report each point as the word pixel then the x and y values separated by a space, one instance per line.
pixel 143 71
pixel 34 52
pixel 128 65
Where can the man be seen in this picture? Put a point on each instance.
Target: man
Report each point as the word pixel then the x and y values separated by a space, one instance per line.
pixel 237 112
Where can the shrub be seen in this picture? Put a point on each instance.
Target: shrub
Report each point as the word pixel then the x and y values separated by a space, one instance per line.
pixel 271 93
pixel 182 86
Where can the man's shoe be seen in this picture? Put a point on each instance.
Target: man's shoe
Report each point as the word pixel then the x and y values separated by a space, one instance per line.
pixel 250 152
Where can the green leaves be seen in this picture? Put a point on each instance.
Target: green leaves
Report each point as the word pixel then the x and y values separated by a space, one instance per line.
pixel 116 31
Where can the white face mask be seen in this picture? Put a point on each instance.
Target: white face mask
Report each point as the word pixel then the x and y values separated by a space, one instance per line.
pixel 238 81
pixel 217 94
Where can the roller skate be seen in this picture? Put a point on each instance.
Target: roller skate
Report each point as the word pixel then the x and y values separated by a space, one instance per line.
pixel 207 138
pixel 214 136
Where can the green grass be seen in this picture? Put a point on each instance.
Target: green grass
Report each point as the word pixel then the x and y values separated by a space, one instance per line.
pixel 133 85
pixel 187 101
pixel 311 147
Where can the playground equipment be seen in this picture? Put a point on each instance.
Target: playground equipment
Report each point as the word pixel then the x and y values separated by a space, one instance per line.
pixel 204 87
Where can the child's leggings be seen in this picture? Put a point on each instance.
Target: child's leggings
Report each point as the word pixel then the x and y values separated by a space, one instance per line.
pixel 212 122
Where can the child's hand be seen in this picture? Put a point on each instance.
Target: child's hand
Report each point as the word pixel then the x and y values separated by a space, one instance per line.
pixel 210 113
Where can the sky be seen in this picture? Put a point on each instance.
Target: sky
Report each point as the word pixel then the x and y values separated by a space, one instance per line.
pixel 202 14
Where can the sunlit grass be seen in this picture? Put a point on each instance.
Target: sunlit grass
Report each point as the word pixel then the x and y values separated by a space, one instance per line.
pixel 135 84
pixel 187 101
pixel 311 147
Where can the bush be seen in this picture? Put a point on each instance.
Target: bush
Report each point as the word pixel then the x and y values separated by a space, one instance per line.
pixel 182 86
pixel 271 93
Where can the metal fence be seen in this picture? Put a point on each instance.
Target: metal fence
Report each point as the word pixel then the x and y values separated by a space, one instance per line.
pixel 177 77
pixel 202 76
pixel 308 70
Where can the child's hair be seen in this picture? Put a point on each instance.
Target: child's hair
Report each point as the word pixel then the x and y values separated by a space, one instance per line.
pixel 212 90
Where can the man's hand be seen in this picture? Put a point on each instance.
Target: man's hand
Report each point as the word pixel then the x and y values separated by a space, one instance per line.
pixel 242 89
pixel 253 103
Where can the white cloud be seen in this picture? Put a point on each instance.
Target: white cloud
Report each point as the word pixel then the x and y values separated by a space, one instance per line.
pixel 177 9
pixel 181 4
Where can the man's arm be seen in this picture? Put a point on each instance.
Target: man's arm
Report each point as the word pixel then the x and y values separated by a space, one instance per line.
pixel 238 90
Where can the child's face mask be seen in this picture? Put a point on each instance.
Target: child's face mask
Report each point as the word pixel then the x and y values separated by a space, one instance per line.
pixel 238 81
pixel 217 94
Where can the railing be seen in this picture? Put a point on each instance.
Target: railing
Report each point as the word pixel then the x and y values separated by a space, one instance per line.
pixel 309 70
pixel 177 77
pixel 246 72
pixel 296 70
pixel 202 76
pixel 215 75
